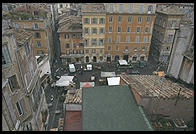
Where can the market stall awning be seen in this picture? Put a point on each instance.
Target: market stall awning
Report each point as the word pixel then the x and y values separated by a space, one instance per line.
pixel 108 74
pixel 45 69
pixel 64 81
pixel 113 81
pixel 86 84
pixel 123 62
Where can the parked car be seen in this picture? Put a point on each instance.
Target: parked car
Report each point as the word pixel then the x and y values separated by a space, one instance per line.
pixel 134 72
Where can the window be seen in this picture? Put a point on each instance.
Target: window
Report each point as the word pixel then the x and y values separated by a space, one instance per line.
pixel 37 35
pixel 142 58
pixel 143 48
pixel 119 29
pixel 94 30
pixel 66 36
pixel 170 37
pixel 81 51
pixel 101 51
pixel 146 30
pixel 86 30
pixel 16 25
pixel 35 12
pixel 129 19
pixel 27 48
pixel 138 29
pixel 94 21
pixel 145 38
pixel 109 48
pixel 139 19
pixel 174 22
pixel 13 83
pixel 101 30
pixel 61 6
pixel 110 29
pixel 111 8
pixel 36 26
pixel 67 52
pixel 127 38
pixel 117 48
pixel 73 35
pixel 120 8
pixel 118 39
pixel 134 58
pixel 147 19
pixel 86 20
pixel 168 48
pixel 110 39
pixel 150 8
pixel 101 41
pixel 67 46
pixel 38 44
pixel 75 51
pixel 19 108
pixel 94 41
pixel 119 18
pixel 141 7
pixel 126 48
pixel 101 21
pixel 137 39
pixel 81 45
pixel 5 55
pixel 131 8
pixel 135 48
pixel 128 29
pixel 74 44
pixel 93 50
pixel 110 18
pixel 86 42
pixel 87 51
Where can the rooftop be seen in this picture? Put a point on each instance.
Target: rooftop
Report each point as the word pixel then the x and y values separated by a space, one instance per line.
pixel 111 108
pixel 156 86
pixel 22 35
pixel 171 10
pixel 93 8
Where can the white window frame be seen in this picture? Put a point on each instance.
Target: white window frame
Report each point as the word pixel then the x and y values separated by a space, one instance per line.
pixel 20 108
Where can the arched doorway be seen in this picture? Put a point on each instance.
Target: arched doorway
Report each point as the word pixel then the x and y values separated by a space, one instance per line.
pixel 116 58
pixel 101 58
pixel 108 58
pixel 94 59
pixel 142 58
pixel 134 58
pixel 87 59
pixel 126 57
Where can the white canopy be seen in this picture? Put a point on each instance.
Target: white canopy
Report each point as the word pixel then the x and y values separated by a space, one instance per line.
pixel 113 81
pixel 86 84
pixel 71 65
pixel 122 62
pixel 89 67
pixel 45 69
pixel 64 80
pixel 108 74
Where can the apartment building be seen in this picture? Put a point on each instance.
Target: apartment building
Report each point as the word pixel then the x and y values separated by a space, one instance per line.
pixel 22 97
pixel 181 64
pixel 166 23
pixel 71 41
pixel 35 19
pixel 128 31
pixel 93 26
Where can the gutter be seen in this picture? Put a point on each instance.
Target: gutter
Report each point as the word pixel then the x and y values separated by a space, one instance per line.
pixel 145 118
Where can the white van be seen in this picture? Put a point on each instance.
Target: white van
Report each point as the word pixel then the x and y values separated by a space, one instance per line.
pixel 89 67
pixel 72 68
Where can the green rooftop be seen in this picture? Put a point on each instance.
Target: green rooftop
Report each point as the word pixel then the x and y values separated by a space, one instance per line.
pixel 111 108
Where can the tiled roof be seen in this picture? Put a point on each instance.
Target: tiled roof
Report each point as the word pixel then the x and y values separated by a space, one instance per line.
pixel 93 8
pixel 111 108
pixel 155 86
pixel 74 96
pixel 22 35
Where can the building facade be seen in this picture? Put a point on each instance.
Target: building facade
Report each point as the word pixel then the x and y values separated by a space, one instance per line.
pixel 128 30
pixel 37 20
pixel 93 26
pixel 71 41
pixel 22 95
pixel 181 64
pixel 166 23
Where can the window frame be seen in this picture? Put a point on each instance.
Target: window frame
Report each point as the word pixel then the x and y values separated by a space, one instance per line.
pixel 20 108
